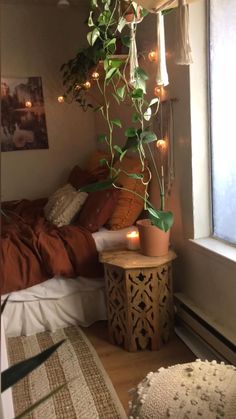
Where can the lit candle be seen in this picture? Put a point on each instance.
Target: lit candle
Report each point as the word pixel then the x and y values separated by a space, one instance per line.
pixel 133 240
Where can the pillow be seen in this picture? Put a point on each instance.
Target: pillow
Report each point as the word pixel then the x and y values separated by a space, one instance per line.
pixel 129 206
pixel 64 205
pixel 98 208
pixel 93 164
pixel 80 177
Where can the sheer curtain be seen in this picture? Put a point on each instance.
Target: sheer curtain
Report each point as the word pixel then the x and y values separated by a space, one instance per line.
pixel 223 116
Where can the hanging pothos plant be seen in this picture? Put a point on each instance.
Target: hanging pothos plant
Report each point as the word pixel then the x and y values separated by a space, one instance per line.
pixel 106 25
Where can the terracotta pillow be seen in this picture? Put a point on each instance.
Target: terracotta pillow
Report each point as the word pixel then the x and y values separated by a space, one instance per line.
pixel 80 177
pixel 93 164
pixel 97 209
pixel 129 206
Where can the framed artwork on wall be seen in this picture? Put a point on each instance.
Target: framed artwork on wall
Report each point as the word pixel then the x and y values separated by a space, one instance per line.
pixel 23 121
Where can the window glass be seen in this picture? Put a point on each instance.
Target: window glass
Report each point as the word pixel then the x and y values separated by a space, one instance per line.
pixel 223 116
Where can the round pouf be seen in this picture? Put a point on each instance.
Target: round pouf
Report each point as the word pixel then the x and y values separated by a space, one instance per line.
pixel 187 391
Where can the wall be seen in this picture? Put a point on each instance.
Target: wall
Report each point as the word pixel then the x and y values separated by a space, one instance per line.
pixel 36 40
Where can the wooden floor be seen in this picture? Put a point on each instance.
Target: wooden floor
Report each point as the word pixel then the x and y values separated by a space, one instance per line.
pixel 127 369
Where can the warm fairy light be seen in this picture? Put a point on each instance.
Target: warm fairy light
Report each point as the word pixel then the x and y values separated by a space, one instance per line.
pixel 133 240
pixel 28 104
pixel 152 56
pixel 77 87
pixel 61 99
pixel 160 92
pixel 161 144
pixel 95 75
pixel 87 85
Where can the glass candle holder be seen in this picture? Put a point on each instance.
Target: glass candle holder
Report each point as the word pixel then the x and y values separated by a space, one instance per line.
pixel 132 240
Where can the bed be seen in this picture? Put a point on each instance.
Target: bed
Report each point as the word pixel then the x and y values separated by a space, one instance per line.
pixel 73 292
pixel 52 272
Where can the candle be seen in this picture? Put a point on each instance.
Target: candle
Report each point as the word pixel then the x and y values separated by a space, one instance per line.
pixel 133 240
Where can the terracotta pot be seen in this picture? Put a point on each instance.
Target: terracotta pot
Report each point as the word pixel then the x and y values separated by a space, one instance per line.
pixel 153 241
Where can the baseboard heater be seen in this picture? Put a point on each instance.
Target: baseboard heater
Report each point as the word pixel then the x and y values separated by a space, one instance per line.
pixel 191 321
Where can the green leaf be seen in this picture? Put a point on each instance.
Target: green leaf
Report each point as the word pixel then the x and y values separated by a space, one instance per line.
pixel 93 4
pixel 118 149
pixel 121 24
pixel 98 186
pixel 3 305
pixel 134 175
pixel 154 101
pixel 115 63
pixel 131 143
pixel 121 92
pixel 148 137
pixel 135 117
pixel 90 19
pixel 110 74
pixel 141 74
pixel 40 401
pixel 106 64
pixel 137 94
pixel 130 132
pixel 116 98
pixel 102 137
pixel 161 219
pixel 109 42
pixel 126 40
pixel 116 122
pixel 123 154
pixel 103 162
pixel 93 36
pixel 148 114
pixel 13 374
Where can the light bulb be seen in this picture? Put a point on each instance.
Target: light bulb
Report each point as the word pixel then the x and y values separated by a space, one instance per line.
pixel 87 85
pixel 95 75
pixel 61 99
pixel 28 104
pixel 63 4
pixel 160 92
pixel 152 56
pixel 161 144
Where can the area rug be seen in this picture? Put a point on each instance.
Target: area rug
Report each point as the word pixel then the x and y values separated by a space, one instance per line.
pixel 89 393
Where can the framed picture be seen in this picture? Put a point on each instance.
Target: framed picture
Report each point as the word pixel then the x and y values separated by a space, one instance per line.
pixel 23 122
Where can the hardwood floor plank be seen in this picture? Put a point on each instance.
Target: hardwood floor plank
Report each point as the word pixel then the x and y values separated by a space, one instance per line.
pixel 127 369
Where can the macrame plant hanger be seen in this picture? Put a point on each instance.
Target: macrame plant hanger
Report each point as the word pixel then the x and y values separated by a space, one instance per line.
pixel 183 53
pixel 133 56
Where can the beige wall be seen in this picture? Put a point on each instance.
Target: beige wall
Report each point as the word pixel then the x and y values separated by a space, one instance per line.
pixel 36 40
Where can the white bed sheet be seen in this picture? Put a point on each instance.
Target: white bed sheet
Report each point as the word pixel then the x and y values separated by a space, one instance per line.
pixel 59 302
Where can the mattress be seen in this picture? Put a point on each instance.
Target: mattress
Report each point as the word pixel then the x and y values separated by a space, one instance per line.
pixel 58 302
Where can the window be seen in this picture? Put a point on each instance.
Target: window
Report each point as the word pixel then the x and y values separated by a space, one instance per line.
pixel 223 117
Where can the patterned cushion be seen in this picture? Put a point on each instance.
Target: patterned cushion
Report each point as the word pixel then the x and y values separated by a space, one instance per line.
pixel 63 205
pixel 129 206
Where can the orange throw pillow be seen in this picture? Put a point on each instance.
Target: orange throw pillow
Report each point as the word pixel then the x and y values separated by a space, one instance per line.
pixel 129 206
pixel 93 164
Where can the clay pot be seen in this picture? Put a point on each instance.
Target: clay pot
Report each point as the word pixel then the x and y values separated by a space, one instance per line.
pixel 153 241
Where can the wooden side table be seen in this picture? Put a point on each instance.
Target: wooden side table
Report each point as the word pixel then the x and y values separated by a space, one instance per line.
pixel 139 298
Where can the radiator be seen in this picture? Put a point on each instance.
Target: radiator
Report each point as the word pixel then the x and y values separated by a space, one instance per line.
pixel 198 330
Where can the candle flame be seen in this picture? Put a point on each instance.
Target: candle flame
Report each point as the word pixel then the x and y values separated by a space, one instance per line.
pixel 133 234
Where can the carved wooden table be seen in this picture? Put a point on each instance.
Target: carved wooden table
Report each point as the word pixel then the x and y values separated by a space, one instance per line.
pixel 139 298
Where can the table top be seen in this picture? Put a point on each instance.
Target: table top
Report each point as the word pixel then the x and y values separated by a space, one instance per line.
pixel 129 259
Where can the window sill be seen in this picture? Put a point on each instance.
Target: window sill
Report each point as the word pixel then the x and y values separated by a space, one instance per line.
pixel 216 248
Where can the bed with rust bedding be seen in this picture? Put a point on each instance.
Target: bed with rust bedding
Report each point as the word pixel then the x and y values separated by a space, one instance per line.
pixel 34 250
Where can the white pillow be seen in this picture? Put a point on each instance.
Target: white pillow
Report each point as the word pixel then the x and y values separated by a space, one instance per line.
pixel 63 205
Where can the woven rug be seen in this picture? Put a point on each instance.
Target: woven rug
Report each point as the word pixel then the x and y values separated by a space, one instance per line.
pixel 89 394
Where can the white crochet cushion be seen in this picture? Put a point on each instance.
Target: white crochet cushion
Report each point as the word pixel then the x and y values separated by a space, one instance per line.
pixel 199 389
pixel 63 205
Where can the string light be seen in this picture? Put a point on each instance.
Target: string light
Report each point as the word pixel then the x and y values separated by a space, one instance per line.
pixel 28 104
pixel 77 87
pixel 161 144
pixel 87 85
pixel 160 92
pixel 95 75
pixel 61 99
pixel 152 56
